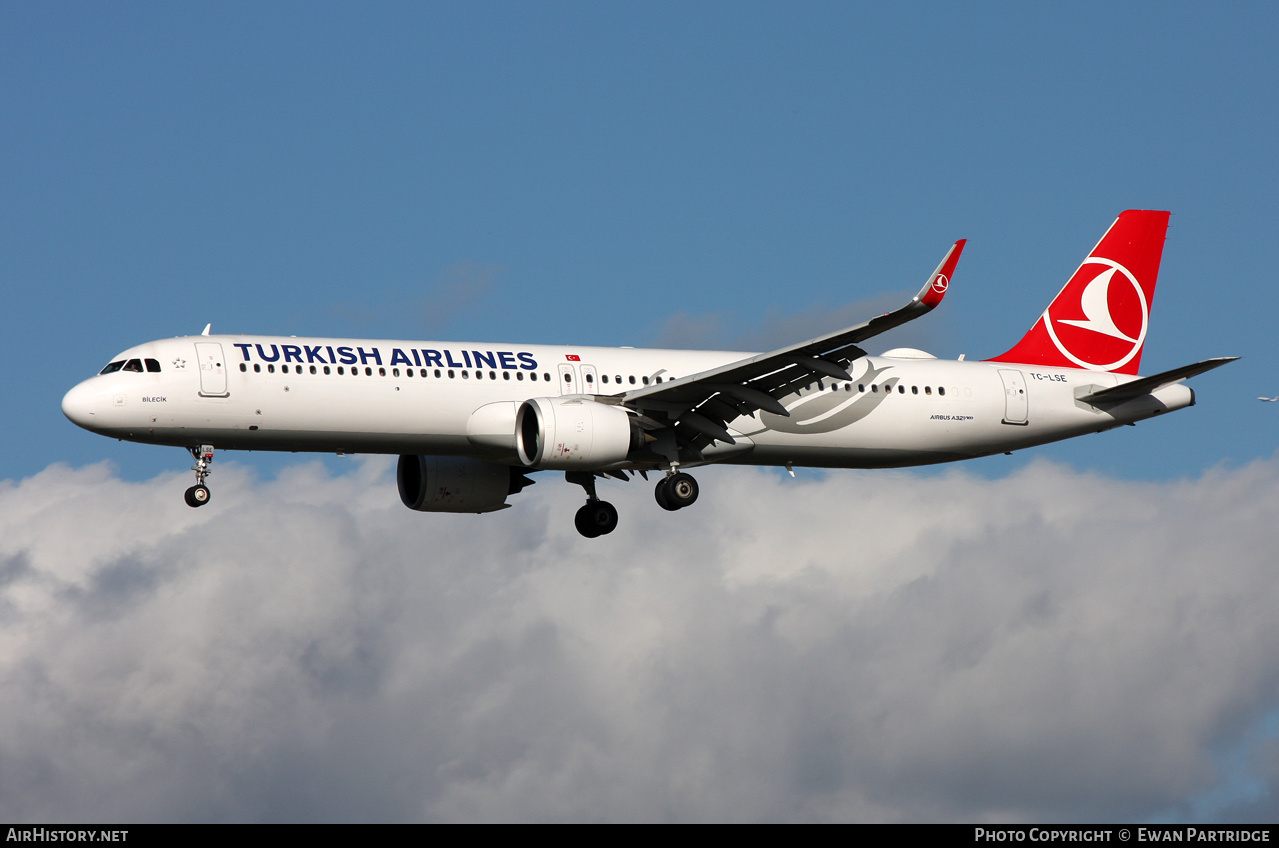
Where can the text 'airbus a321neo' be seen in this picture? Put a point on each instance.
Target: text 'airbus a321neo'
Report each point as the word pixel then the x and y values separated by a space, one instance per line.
pixel 470 420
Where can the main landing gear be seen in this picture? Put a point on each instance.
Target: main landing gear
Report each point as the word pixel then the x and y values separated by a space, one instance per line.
pixel 198 495
pixel 597 517
pixel 676 491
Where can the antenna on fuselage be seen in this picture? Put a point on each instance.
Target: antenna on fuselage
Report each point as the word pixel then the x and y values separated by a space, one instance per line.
pixel 207 327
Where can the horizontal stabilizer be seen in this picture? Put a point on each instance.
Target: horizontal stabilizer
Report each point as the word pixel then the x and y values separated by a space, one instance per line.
pixel 1146 385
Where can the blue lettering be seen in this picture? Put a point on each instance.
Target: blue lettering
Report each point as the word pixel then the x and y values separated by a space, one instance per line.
pixel 485 359
pixel 432 357
pixel 416 361
pixel 467 358
pixel 346 356
pixel 292 353
pixel 244 349
pixel 366 355
pixel 506 358
pixel 332 357
pixel 313 354
pixel 530 364
pixel 275 354
pixel 398 357
pixel 448 356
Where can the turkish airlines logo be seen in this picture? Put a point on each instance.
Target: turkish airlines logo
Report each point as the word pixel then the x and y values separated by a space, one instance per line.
pixel 1104 326
pixel 939 284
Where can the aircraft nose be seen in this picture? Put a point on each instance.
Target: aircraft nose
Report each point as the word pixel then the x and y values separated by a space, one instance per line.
pixel 79 406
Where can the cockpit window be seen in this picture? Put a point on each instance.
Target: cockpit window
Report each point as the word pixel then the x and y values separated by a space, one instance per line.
pixel 133 365
pixel 113 367
pixel 153 366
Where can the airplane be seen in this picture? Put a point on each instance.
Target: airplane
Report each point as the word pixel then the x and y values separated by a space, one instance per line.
pixel 470 421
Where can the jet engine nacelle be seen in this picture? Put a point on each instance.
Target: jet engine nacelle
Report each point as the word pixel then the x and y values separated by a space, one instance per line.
pixel 456 484
pixel 574 433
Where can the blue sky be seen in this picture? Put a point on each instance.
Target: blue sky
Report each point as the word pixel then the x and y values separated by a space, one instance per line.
pixel 717 174
pixel 593 171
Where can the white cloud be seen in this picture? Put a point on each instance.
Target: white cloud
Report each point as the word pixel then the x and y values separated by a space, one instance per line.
pixel 874 645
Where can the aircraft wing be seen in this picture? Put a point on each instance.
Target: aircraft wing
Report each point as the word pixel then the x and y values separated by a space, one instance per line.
pixel 1146 385
pixel 700 405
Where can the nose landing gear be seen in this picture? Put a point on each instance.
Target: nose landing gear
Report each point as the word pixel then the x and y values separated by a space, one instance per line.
pixel 198 495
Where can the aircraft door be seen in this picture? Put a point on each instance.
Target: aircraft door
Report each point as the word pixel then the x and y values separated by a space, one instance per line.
pixel 1016 405
pixel 590 380
pixel 212 369
pixel 568 380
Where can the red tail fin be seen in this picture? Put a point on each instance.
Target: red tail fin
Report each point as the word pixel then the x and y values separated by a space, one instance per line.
pixel 1099 320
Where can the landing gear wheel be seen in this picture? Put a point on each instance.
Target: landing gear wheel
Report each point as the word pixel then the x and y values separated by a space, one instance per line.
pixel 660 494
pixel 680 490
pixel 597 518
pixel 198 495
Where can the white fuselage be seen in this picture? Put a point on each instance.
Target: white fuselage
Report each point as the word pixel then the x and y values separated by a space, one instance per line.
pixel 401 397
